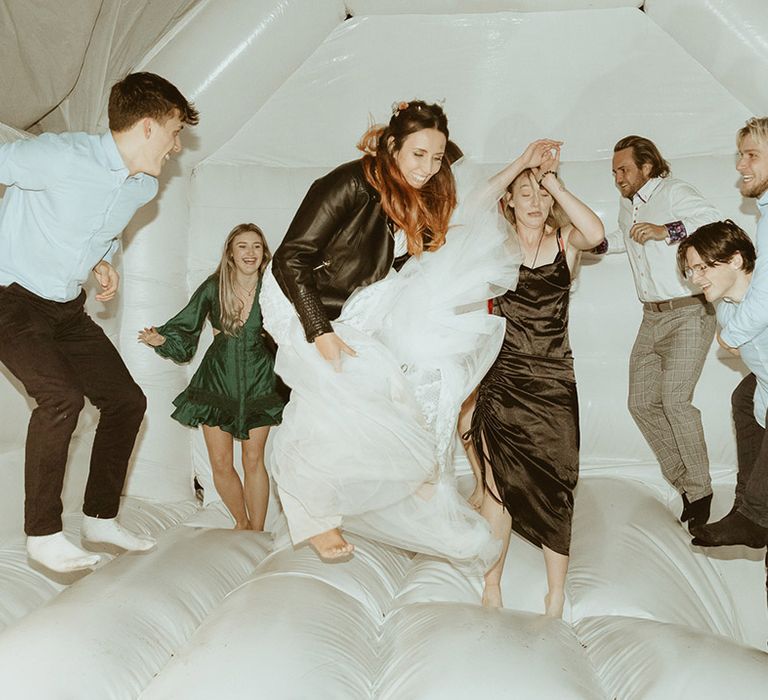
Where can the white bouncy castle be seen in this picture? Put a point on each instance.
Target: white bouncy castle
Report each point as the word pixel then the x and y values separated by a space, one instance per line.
pixel 284 89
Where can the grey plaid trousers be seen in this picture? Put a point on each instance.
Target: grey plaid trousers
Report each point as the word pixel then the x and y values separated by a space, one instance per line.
pixel 665 364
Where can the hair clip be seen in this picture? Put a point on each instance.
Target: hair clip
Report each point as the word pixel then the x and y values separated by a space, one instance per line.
pixel 398 107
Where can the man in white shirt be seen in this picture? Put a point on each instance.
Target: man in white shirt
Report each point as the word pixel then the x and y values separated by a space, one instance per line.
pixel 745 326
pixel 656 212
pixel 69 198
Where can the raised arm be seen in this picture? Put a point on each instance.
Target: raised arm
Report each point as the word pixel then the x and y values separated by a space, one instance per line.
pixel 587 231
pixel 532 157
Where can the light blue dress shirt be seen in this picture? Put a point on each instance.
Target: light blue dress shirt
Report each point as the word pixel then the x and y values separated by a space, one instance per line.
pixel 69 198
pixel 754 353
pixel 750 318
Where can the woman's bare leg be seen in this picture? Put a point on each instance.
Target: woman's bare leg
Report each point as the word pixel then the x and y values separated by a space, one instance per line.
pixel 256 487
pixel 557 568
pixel 465 423
pixel 501 526
pixel 225 478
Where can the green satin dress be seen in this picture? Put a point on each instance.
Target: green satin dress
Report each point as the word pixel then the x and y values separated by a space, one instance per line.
pixel 235 388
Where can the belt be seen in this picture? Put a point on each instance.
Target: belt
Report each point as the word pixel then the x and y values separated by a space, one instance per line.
pixel 672 304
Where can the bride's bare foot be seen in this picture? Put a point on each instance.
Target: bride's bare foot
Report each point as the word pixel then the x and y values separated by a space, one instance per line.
pixel 476 498
pixel 553 604
pixel 492 596
pixel 331 545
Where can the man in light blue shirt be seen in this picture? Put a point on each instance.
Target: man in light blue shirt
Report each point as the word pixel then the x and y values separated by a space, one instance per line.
pixel 720 258
pixel 747 321
pixel 751 318
pixel 69 196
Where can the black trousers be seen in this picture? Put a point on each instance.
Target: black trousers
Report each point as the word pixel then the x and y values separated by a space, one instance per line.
pixel 61 356
pixel 752 455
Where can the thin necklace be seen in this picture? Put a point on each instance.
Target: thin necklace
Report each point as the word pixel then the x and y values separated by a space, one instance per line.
pixel 536 254
pixel 248 292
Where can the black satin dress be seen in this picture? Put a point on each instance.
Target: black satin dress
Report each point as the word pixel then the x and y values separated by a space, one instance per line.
pixel 527 409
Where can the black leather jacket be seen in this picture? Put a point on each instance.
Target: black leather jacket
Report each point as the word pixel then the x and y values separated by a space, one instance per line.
pixel 339 240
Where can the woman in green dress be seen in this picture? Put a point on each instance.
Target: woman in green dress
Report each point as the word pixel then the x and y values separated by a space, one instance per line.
pixel 234 393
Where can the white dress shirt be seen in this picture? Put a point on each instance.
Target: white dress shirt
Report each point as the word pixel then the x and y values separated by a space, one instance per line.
pixel 665 202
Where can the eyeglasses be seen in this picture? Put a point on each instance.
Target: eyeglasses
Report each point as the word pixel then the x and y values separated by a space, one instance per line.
pixel 700 268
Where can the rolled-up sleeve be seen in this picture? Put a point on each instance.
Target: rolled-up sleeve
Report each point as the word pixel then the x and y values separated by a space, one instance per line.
pixel 690 209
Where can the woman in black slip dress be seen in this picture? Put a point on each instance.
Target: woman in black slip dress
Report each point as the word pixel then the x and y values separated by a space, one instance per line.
pixel 525 425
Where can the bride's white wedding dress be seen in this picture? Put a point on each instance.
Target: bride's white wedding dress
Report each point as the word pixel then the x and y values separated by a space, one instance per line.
pixel 370 448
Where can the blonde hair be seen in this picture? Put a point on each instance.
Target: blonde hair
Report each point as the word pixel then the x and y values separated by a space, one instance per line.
pixel 556 219
pixel 230 304
pixel 757 128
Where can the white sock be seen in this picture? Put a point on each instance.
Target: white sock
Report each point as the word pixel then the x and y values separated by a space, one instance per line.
pixel 109 531
pixel 57 553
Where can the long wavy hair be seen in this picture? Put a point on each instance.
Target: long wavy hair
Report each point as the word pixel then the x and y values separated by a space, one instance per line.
pixel 644 151
pixel 557 217
pixel 231 305
pixel 424 213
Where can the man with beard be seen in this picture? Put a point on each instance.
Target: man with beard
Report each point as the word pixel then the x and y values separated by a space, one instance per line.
pixel 656 212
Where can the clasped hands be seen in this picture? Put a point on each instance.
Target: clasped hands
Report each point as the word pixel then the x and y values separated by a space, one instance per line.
pixel 542 156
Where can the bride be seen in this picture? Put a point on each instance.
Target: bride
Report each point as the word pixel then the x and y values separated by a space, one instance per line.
pixel 379 313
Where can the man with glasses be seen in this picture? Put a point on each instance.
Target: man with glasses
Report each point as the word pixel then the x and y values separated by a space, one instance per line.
pixel 745 324
pixel 720 259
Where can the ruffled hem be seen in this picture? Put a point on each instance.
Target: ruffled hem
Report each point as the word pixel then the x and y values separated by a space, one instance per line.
pixel 267 411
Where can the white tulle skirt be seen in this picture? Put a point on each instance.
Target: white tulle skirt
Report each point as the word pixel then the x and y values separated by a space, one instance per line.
pixel 370 448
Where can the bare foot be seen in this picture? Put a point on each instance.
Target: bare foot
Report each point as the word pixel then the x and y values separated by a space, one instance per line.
pixel 492 596
pixel 553 604
pixel 331 545
pixel 476 498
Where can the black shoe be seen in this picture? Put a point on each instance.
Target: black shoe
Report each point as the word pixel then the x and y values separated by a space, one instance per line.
pixel 734 528
pixel 698 512
pixel 685 515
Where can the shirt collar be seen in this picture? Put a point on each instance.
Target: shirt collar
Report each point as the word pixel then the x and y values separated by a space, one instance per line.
pixel 114 159
pixel 645 192
pixel 762 200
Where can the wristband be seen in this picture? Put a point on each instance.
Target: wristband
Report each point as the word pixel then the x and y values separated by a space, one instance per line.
pixel 548 172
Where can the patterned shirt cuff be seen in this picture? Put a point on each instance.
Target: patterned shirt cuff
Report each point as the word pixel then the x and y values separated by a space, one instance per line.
pixel 600 249
pixel 676 231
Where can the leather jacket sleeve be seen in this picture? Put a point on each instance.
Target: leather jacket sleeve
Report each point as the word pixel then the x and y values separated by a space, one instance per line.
pixel 328 204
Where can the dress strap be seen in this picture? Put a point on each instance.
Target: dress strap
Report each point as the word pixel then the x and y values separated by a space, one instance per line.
pixel 560 243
